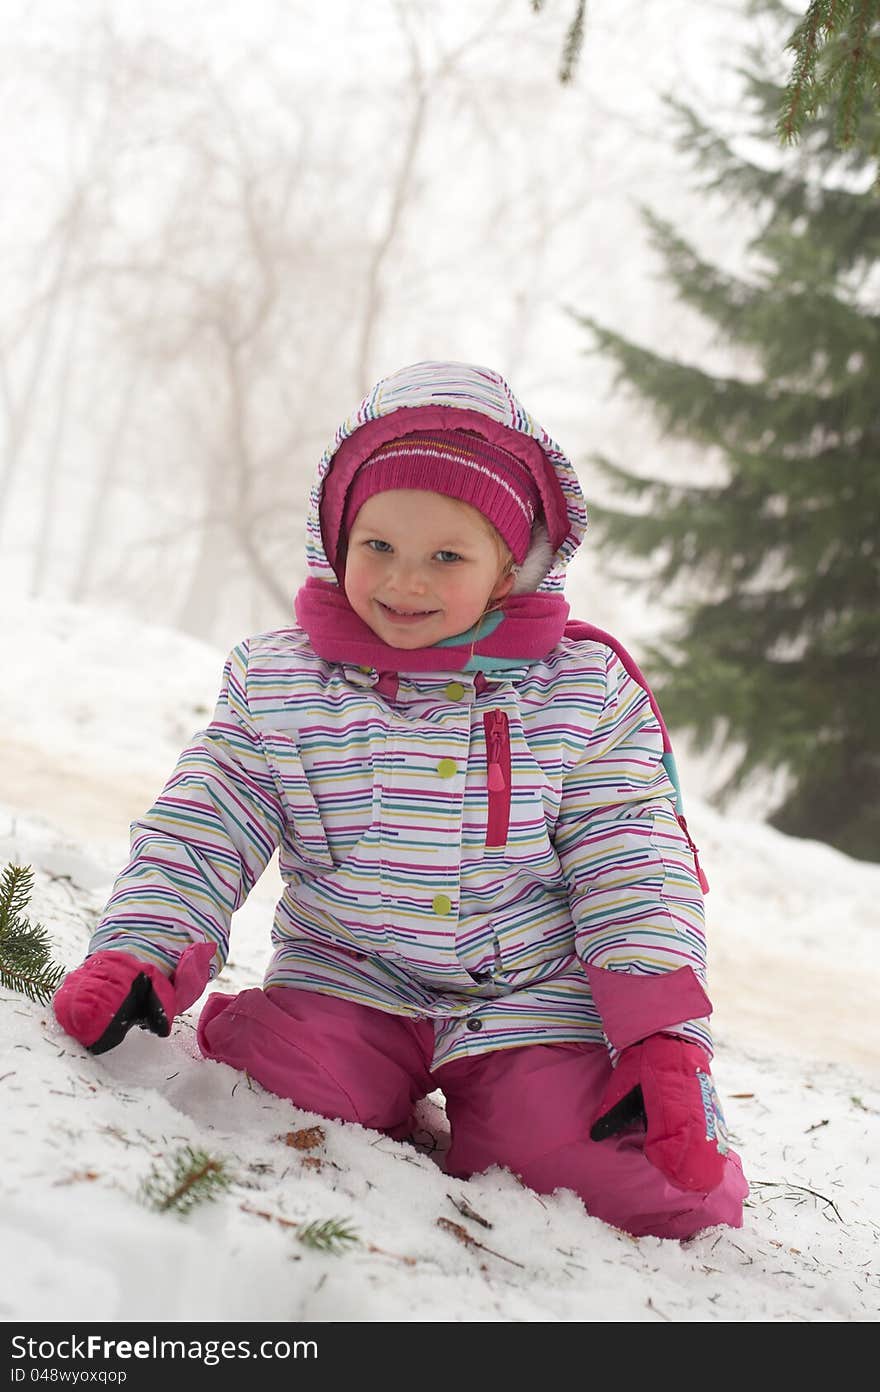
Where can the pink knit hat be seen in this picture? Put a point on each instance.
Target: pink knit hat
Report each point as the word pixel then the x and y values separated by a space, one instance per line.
pixel 458 464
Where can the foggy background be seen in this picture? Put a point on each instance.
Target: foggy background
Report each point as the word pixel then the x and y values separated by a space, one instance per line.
pixel 223 222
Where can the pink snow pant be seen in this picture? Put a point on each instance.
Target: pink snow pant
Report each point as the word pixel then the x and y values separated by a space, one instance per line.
pixel 528 1109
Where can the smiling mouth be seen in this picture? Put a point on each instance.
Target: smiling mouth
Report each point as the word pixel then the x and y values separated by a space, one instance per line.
pixel 394 613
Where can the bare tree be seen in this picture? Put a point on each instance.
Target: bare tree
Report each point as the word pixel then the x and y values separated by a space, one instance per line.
pixel 214 292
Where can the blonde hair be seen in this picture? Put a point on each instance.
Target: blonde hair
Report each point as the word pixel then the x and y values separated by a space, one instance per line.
pixel 505 555
pixel 535 564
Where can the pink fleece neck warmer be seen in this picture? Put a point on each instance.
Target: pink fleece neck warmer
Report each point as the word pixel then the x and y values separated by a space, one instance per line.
pixel 525 629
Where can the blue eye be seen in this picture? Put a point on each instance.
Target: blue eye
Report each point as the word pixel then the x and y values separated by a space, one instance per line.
pixel 447 557
pixel 381 546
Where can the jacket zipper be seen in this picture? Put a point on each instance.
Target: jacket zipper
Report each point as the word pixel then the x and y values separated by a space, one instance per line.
pixel 701 874
pixel 497 731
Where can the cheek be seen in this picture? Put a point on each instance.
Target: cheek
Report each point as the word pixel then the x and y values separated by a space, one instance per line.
pixel 456 586
pixel 468 593
pixel 355 581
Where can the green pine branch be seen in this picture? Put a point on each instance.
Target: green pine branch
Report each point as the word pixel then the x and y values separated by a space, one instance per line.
pixel 25 949
pixel 835 67
pixel 756 179
pixel 574 42
pixel 333 1235
pixel 574 38
pixel 181 1181
pixel 836 64
pixel 690 401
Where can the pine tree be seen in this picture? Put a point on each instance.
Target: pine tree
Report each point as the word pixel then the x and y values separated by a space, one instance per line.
pixel 25 950
pixel 777 652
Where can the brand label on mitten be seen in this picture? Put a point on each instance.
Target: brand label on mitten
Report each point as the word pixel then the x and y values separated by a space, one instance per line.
pixel 715 1128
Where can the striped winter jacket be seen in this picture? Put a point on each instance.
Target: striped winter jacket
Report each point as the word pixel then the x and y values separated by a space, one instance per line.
pixel 486 849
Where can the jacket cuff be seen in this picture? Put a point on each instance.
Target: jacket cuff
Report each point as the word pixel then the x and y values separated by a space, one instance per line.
pixel 632 1007
pixel 192 974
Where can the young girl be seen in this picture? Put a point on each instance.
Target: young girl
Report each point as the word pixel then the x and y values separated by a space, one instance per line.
pixel 489 886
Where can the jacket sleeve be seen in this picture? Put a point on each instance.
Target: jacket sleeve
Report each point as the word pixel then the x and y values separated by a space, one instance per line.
pixel 201 847
pixel 635 897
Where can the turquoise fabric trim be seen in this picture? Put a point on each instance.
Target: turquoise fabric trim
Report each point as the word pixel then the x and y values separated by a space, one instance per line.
pixel 496 664
pixel 672 773
pixel 481 629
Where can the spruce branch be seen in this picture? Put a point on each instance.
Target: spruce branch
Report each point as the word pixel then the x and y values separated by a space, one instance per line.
pixel 574 42
pixel 799 99
pixel 836 49
pixel 15 892
pixel 574 38
pixel 25 949
pixel 329 1236
pixel 183 1180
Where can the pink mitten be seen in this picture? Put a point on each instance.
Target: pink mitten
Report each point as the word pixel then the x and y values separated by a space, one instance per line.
pixel 100 1001
pixel 665 1084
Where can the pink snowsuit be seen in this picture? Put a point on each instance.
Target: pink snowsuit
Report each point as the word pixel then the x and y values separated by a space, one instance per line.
pixel 526 1109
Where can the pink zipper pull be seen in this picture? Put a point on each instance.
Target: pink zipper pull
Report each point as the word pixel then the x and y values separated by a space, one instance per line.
pixel 498 781
pixel 495 779
pixel 701 875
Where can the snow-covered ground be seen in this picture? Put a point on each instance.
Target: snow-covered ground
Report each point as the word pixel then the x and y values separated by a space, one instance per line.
pixel 93 711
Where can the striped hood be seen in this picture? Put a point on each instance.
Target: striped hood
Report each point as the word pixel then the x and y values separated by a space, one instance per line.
pixel 444 396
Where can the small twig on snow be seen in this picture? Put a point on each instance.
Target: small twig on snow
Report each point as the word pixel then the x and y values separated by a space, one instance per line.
pixel 802 1188
pixel 465 1237
pixel 466 1211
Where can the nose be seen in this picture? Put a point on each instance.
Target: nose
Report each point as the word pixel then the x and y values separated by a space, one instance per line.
pixel 407 577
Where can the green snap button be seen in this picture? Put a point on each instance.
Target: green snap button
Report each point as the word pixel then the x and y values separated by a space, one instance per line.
pixel 442 904
pixel 447 767
pixel 454 691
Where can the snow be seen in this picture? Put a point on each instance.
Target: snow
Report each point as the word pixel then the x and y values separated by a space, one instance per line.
pixel 94 708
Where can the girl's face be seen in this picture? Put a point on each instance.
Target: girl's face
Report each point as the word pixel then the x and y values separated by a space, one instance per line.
pixel 422 567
